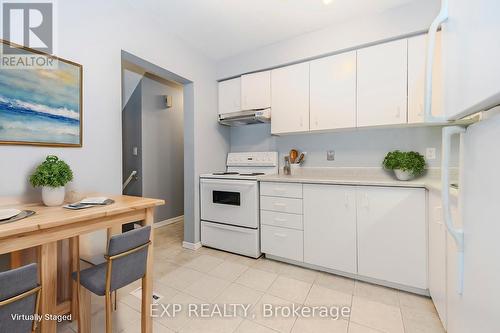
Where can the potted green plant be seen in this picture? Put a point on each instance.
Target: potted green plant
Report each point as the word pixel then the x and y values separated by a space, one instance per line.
pixel 52 175
pixel 406 164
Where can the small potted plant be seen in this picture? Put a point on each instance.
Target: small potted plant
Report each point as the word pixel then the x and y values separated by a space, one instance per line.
pixel 406 165
pixel 52 175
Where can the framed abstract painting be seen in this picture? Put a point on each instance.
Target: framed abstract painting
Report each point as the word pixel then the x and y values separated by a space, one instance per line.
pixel 41 106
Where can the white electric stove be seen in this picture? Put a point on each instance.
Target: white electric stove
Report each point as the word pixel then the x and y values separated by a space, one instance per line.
pixel 230 203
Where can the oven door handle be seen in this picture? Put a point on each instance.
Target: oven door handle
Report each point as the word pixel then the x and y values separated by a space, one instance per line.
pixel 231 182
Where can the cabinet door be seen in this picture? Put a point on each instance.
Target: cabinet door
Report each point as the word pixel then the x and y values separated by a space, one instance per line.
pixel 333 92
pixel 392 241
pixel 256 91
pixel 290 99
pixel 416 79
pixel 382 80
pixel 330 227
pixel 437 255
pixel 230 96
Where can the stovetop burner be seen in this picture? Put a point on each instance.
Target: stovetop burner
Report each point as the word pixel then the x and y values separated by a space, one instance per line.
pixel 252 174
pixel 225 173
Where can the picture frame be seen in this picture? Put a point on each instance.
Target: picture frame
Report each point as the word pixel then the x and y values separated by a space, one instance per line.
pixel 49 111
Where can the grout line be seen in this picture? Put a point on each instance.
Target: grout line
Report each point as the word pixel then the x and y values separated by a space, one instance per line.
pixel 369 327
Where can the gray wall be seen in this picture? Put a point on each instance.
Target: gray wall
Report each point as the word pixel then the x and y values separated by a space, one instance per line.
pixel 163 146
pixel 353 148
pixel 132 137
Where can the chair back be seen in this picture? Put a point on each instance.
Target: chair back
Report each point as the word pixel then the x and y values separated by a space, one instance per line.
pixel 19 294
pixel 127 257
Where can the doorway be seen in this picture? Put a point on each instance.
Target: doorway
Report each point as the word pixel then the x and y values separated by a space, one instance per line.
pixel 153 139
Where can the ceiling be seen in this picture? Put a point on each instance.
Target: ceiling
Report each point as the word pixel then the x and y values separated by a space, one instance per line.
pixel 223 28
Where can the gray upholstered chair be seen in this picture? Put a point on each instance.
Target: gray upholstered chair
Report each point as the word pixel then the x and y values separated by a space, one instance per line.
pixel 19 294
pixel 125 263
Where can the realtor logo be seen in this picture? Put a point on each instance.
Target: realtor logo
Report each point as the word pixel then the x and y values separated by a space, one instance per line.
pixel 29 24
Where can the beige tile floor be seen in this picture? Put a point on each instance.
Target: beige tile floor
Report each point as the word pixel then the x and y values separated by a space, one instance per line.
pixel 210 276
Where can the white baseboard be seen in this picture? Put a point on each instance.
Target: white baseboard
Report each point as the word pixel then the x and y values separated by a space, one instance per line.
pixel 191 246
pixel 167 222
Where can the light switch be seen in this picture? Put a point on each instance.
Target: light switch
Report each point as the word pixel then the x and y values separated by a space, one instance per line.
pixel 134 151
pixel 330 155
pixel 430 153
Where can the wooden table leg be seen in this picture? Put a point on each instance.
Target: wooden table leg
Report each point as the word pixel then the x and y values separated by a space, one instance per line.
pixel 74 245
pixel 48 280
pixel 84 313
pixel 147 280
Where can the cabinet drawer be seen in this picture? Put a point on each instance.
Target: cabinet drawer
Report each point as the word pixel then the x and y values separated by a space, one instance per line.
pixel 287 190
pixel 283 205
pixel 284 220
pixel 282 242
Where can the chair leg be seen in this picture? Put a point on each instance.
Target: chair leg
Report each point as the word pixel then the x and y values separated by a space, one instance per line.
pixel 108 312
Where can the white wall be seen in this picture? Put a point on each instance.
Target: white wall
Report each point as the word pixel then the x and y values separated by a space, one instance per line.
pixel 353 148
pixel 93 33
pixel 403 20
pixel 130 81
pixel 365 147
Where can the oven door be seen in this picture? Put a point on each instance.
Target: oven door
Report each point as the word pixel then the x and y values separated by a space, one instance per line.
pixel 230 201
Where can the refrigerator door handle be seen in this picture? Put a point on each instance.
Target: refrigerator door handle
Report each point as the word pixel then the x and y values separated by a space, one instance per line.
pixel 457 234
pixel 429 63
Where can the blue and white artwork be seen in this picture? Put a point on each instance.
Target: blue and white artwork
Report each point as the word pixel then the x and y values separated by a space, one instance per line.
pixel 41 106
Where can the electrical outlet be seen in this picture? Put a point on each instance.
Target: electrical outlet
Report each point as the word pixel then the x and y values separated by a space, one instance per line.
pixel 430 153
pixel 330 155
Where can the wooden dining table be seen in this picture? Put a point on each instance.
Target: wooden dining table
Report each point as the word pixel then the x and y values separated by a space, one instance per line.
pixel 51 225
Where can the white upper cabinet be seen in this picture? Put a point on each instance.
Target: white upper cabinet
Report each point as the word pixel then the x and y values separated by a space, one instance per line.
pixel 416 79
pixel 290 99
pixel 230 96
pixel 392 235
pixel 330 227
pixel 333 92
pixel 382 80
pixel 256 91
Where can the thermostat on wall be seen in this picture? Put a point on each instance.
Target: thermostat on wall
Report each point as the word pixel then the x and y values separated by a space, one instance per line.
pixel 168 101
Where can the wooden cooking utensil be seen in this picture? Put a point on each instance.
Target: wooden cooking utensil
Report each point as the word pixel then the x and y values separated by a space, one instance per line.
pixel 293 155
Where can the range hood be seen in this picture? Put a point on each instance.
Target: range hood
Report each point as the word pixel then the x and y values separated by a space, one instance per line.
pixel 247 117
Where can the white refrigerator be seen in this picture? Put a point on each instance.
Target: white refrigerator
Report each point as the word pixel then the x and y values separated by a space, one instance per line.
pixel 470 32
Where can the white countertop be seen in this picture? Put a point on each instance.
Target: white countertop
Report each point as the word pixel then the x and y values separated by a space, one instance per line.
pixel 357 176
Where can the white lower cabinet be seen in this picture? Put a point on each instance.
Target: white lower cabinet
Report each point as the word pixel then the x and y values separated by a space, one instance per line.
pixel 284 220
pixel 282 242
pixel 281 220
pixel 375 232
pixel 392 241
pixel 330 227
pixel 279 204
